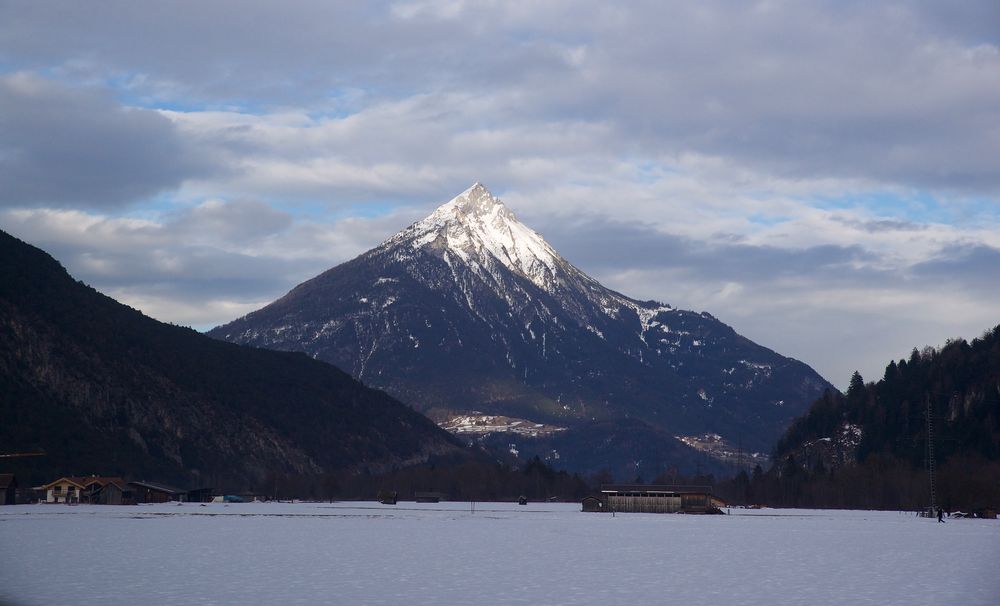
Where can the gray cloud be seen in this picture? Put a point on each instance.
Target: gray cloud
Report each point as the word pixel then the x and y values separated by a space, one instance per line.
pixel 196 255
pixel 610 246
pixel 975 268
pixel 881 225
pixel 838 308
pixel 898 93
pixel 61 146
pixel 238 221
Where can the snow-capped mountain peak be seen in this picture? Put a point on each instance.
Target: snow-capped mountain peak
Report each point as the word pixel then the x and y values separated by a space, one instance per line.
pixel 475 202
pixel 470 310
pixel 476 227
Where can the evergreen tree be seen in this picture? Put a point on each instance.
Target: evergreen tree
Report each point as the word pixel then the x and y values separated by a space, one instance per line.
pixel 856 390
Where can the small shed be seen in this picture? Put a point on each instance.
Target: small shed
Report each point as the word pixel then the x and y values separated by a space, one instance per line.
pixel 200 495
pixel 593 503
pixel 154 492
pixel 387 497
pixel 8 489
pixel 427 497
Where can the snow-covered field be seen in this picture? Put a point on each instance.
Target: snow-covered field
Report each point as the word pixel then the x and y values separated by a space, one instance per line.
pixel 367 553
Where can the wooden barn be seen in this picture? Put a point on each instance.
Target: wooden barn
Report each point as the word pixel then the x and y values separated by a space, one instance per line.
pixel 115 492
pixel 94 488
pixel 659 498
pixel 150 492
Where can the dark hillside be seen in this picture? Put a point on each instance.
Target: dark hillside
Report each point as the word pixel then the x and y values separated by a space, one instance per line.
pixel 869 447
pixel 104 389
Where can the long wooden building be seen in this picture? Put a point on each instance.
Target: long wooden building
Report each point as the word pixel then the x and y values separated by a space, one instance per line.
pixel 659 498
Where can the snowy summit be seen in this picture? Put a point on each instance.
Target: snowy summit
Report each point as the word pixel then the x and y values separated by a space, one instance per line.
pixel 475 225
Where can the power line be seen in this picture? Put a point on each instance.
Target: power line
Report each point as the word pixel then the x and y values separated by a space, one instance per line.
pixel 12 455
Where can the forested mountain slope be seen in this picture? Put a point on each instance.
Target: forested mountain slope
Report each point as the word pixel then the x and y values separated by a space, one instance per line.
pixel 104 389
pixel 877 435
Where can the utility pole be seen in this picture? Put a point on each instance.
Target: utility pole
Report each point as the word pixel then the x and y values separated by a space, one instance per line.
pixel 739 453
pixel 930 458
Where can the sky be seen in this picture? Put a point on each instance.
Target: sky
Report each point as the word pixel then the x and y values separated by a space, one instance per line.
pixel 822 176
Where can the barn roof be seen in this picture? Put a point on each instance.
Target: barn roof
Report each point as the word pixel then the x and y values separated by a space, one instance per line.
pixel 78 482
pixel 117 482
pixel 159 487
pixel 657 488
pixel 99 480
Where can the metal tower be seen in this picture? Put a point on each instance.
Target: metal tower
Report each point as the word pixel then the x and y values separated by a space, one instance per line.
pixel 930 458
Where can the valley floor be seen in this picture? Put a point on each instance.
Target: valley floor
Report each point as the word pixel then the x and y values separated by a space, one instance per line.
pixel 367 553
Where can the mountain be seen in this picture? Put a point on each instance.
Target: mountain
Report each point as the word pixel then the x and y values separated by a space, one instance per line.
pixel 106 390
pixel 470 311
pixel 869 447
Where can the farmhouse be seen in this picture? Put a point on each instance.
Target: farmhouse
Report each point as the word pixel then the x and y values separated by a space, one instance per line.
pixel 654 498
pixel 64 490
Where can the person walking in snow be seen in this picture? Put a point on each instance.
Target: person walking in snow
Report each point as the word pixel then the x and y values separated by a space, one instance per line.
pixel 940 515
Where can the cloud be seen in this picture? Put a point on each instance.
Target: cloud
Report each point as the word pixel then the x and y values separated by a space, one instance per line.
pixel 899 94
pixel 640 247
pixel 839 308
pixel 61 146
pixel 198 265
pixel 185 258
pixel 242 221
pixel 881 225
pixel 970 268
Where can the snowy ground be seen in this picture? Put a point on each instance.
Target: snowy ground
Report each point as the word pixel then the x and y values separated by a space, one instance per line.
pixel 366 553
